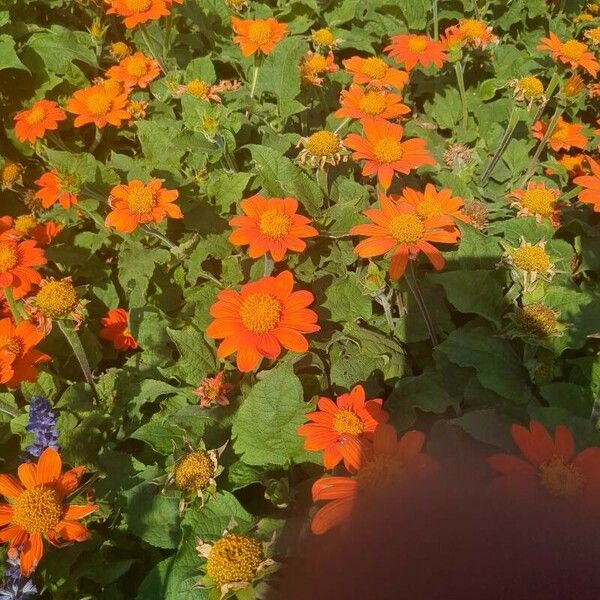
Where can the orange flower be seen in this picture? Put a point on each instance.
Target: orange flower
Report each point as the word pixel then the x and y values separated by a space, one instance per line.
pixel 469 31
pixel 138 202
pixel 412 49
pixel 564 137
pixel 115 329
pixel 33 123
pixel 18 355
pixel 38 509
pixel 27 226
pixel 271 225
pixel 260 35
pixel 590 195
pixel 392 460
pixel 136 70
pixel 213 391
pixel 551 466
pixel 372 105
pixel 261 318
pixel 375 72
pixel 398 227
pixel 385 152
pixel 314 65
pixel 572 52
pixel 136 12
pixel 101 104
pixel 538 201
pixel 432 203
pixel 56 188
pixel 16 262
pixel 342 429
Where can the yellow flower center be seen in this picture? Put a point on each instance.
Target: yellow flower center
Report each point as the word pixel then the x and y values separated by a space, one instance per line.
pixel 119 49
pixel 10 173
pixel 406 229
pixel 9 257
pixel 57 299
pixel 472 29
pixel 430 207
pixel 141 200
pixel 259 32
pixel 24 224
pixel 194 471
pixel 417 44
pixel 561 132
pixel 38 509
pixel 573 49
pixel 260 312
pixel 388 150
pixel 98 104
pixel 36 115
pixel 274 224
pixel 373 67
pixel 234 558
pixel 323 143
pixel 537 319
pixel 560 479
pixel 373 103
pixel 348 422
pixel 323 37
pixel 539 201
pixel 138 6
pixel 377 473
pixel 594 35
pixel 532 259
pixel 531 87
pixel 197 88
pixel 136 66
pixel 12 344
pixel 317 63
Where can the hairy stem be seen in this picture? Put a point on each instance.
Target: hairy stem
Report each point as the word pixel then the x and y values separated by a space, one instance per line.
pixel 512 124
pixel 436 25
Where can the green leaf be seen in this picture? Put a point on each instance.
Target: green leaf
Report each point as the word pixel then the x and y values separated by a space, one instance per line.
pixel 8 56
pixel 488 427
pixel 346 301
pixel 569 396
pixel 197 358
pixel 162 436
pixel 227 188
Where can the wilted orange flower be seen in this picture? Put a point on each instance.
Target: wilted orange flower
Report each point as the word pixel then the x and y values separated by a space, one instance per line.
pixel 100 104
pixel 397 226
pixel 115 329
pixel 17 260
pixel 314 65
pixel 538 201
pixel 372 105
pixel 341 429
pixel 432 203
pixel 260 35
pixel 261 318
pixel 32 124
pixel 573 164
pixel 375 72
pixel 572 87
pixel 28 226
pixel 271 226
pixel 38 509
pixel 56 188
pixel 594 90
pixel 591 194
pixel 137 202
pixel 572 52
pixel 136 12
pixel 135 70
pixel 385 152
pixel 213 391
pixel 410 49
pixel 469 31
pixel 550 466
pixel 564 137
pixel 392 461
pixel 18 355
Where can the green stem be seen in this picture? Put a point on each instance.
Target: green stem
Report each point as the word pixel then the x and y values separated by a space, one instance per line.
pixel 167 38
pixel 436 25
pixel 14 306
pixel 269 265
pixel 460 79
pixel 574 192
pixel 512 124
pixel 384 301
pixel 476 12
pixel 254 80
pixel 75 343
pixel 411 280
pixel 56 139
pixel 97 140
pixel 159 236
pixel 84 486
pixel 342 124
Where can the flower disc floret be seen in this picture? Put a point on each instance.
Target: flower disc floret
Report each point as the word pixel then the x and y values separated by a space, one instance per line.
pixel 194 471
pixel 234 558
pixel 260 313
pixel 38 509
pixel 560 479
pixel 531 259
pixel 56 299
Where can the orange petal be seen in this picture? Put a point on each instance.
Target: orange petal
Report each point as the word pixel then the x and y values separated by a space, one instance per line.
pixel 49 466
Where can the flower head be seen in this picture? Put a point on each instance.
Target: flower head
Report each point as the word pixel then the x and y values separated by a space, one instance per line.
pixel 572 52
pixel 537 321
pixel 137 70
pixel 212 391
pixel 529 262
pixel 528 89
pixel 538 201
pixel 373 105
pixel 469 32
pixel 119 50
pixel 101 104
pixel 56 299
pixel 591 184
pixel 456 156
pixel 477 212
pixel 322 148
pixel 410 49
pixel 433 203
pixel 17 262
pixel 115 329
pixel 261 318
pixel 32 124
pixel 42 424
pixel 260 35
pixel 195 471
pixel 136 12
pixel 564 137
pixel 10 173
pixel 593 35
pixel 375 72
pixel 56 187
pixel 15 586
pixel 313 66
pixel 324 38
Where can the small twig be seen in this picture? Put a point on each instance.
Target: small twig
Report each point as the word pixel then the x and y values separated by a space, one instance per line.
pixel 416 292
pixel 14 306
pixel 512 124
pixel 460 79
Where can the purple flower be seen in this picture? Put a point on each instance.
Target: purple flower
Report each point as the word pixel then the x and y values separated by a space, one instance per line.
pixel 15 586
pixel 42 423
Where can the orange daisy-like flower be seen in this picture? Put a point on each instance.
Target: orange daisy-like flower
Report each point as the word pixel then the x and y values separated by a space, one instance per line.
pixel 115 329
pixel 410 49
pixel 138 202
pixel 18 355
pixel 135 70
pixel 32 124
pixel 591 194
pixel 375 72
pixel 385 152
pixel 371 105
pixel 469 31
pixel 17 260
pixel 38 509
pixel 136 12
pixel 314 65
pixel 261 318
pixel 564 137
pixel 271 225
pixel 397 226
pixel 101 104
pixel 549 466
pixel 431 203
pixel 56 188
pixel 538 201
pixel 342 429
pixel 260 35
pixel 572 52
pixel 392 460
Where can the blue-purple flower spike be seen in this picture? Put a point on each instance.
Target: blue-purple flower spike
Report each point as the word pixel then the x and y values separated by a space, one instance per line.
pixel 15 586
pixel 42 423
